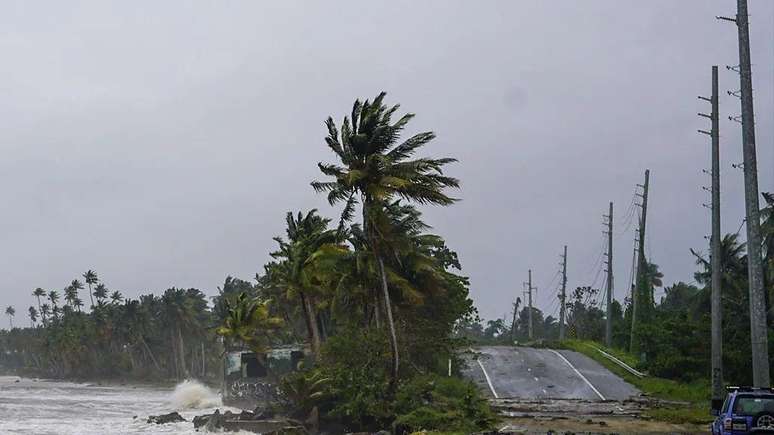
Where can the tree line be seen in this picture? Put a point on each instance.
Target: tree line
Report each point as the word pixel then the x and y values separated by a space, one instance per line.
pixel 675 334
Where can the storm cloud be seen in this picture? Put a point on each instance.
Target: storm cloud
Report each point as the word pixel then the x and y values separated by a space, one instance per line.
pixel 161 143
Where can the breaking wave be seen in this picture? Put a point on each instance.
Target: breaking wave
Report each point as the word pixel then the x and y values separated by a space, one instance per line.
pixel 194 395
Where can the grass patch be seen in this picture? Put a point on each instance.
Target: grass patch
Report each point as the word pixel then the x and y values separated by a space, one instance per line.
pixel 697 394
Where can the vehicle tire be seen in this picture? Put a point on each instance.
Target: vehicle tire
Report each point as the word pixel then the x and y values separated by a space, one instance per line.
pixel 764 420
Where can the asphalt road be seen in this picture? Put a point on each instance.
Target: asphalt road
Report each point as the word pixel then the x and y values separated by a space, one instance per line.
pixel 527 373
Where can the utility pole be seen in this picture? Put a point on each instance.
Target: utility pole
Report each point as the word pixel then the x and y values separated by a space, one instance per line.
pixel 563 296
pixel 758 332
pixel 715 239
pixel 529 300
pixel 639 293
pixel 609 310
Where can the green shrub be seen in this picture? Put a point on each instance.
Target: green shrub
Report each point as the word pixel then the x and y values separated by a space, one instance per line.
pixel 441 403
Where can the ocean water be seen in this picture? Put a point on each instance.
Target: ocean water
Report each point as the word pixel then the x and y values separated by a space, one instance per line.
pixel 29 406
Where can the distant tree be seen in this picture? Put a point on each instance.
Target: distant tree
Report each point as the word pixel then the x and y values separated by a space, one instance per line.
pixel 33 313
pixel 38 293
pixel 91 278
pixel 10 312
pixel 100 292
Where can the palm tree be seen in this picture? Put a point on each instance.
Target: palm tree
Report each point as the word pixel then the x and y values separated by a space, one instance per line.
pixel 78 303
pixel 70 294
pixel 116 297
pixel 10 312
pixel 33 313
pixel 100 292
pixel 91 278
pixel 248 321
pixel 53 296
pixel 77 286
pixel 375 169
pixel 180 309
pixel 308 239
pixel 45 310
pixel 38 293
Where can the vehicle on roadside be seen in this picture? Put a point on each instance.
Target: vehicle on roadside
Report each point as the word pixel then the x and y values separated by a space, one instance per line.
pixel 746 410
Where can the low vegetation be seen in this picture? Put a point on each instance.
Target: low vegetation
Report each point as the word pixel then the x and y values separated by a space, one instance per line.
pixel 696 395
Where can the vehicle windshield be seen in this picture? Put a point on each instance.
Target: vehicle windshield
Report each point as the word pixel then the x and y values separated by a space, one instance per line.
pixel 752 405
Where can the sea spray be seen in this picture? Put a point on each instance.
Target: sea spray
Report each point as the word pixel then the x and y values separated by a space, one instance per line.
pixel 194 395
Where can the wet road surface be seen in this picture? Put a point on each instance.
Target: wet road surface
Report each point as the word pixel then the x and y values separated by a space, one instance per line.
pixel 528 373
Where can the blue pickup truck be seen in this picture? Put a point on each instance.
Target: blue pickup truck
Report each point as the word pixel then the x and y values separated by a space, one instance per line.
pixel 746 410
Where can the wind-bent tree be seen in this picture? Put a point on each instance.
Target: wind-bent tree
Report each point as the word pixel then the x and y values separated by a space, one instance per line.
pixel 91 278
pixel 70 295
pixel 308 238
pixel 38 293
pixel 10 312
pixel 53 296
pixel 33 313
pixel 101 293
pixel 248 321
pixel 77 287
pixel 375 168
pixel 116 297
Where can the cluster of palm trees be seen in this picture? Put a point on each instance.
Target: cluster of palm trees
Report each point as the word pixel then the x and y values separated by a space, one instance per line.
pixel 379 272
pixel 156 337
pixel 49 308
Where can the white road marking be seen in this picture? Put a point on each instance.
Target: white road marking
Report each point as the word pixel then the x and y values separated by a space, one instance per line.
pixel 488 381
pixel 537 379
pixel 578 373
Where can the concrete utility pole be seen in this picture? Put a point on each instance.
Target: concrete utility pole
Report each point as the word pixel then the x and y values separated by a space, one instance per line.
pixel 609 311
pixel 639 293
pixel 529 299
pixel 563 296
pixel 758 332
pixel 715 240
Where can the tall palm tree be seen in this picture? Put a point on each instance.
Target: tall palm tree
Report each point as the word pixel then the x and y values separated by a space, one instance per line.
pixel 116 297
pixel 10 312
pixel 77 286
pixel 45 310
pixel 100 292
pixel 375 169
pixel 33 313
pixel 70 295
pixel 53 296
pixel 38 293
pixel 78 303
pixel 308 237
pixel 91 278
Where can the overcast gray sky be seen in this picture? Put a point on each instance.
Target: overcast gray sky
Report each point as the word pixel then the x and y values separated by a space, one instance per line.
pixel 161 143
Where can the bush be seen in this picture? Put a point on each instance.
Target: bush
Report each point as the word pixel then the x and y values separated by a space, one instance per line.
pixel 350 388
pixel 441 403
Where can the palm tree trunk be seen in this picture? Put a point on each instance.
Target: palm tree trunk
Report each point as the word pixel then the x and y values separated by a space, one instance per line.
pixel 91 297
pixel 150 353
pixel 175 366
pixel 184 369
pixel 311 323
pixel 367 203
pixel 390 323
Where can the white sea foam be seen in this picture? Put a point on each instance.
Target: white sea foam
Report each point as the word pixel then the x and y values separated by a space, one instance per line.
pixel 194 395
pixel 65 408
